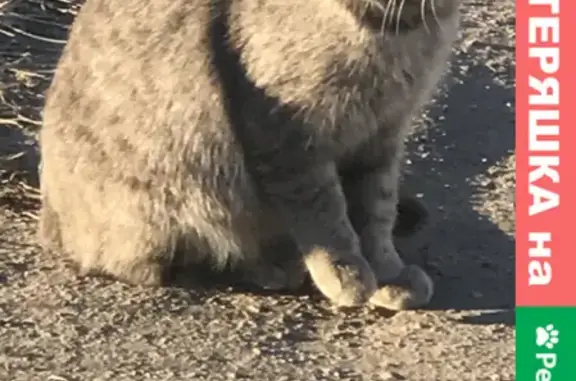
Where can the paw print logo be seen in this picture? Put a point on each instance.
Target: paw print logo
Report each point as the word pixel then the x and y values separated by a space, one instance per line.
pixel 547 336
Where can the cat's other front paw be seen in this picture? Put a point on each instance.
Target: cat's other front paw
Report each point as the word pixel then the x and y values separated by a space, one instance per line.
pixel 413 288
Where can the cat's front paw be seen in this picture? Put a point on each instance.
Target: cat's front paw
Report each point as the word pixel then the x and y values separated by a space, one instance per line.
pixel 413 288
pixel 347 281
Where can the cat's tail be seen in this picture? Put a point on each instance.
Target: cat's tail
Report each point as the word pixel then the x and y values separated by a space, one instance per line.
pixel 412 216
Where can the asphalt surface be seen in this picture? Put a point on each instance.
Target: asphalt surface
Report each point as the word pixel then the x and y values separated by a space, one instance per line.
pixel 57 326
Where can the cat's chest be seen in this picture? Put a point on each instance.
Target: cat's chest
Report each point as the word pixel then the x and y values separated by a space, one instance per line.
pixel 381 81
pixel 377 90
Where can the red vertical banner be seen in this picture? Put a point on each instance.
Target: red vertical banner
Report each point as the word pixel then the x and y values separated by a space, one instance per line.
pixel 545 152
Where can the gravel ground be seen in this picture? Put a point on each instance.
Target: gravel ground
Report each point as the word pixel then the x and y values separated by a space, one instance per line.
pixel 56 326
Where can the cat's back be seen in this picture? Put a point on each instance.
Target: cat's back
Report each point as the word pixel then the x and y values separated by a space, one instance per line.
pixel 134 49
pixel 133 80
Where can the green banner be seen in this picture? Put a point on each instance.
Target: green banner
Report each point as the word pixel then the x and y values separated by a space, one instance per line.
pixel 546 343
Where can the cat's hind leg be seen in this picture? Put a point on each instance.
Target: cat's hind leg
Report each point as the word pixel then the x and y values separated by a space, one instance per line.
pixel 111 230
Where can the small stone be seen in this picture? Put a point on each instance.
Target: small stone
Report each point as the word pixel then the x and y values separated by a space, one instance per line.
pixel 391 376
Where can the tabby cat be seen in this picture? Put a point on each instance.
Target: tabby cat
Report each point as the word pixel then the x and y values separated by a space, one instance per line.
pixel 183 131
